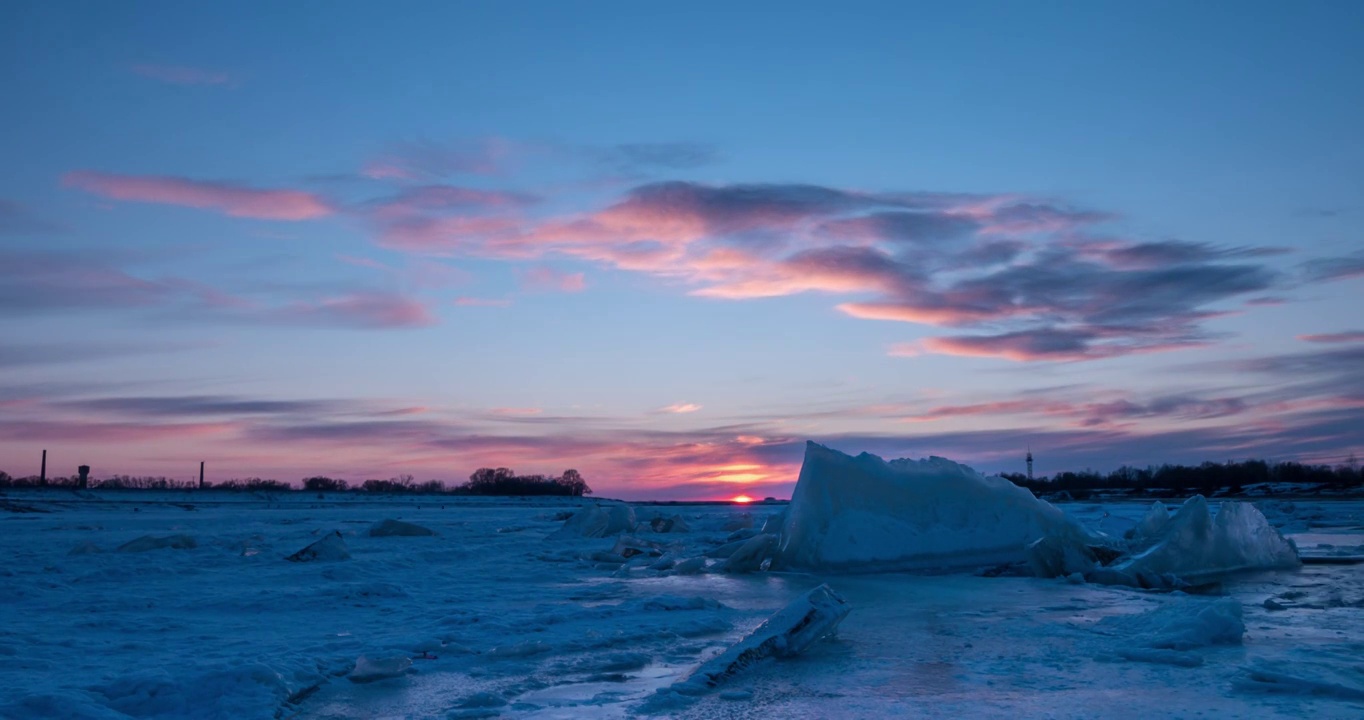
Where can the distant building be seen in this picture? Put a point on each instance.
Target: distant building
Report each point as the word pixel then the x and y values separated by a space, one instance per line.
pixel 1029 464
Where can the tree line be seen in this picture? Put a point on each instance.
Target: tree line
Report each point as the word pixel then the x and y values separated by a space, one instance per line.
pixel 484 481
pixel 1207 478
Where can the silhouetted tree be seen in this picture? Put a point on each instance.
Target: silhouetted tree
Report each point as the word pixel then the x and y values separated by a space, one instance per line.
pixel 324 484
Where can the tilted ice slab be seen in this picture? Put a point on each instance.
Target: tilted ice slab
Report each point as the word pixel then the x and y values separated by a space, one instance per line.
pixel 812 616
pixel 1192 546
pixel 864 514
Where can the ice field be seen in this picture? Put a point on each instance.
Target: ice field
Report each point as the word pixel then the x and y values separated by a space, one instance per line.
pixel 491 617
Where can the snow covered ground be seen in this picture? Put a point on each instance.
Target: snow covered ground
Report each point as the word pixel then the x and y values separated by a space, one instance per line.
pixel 499 621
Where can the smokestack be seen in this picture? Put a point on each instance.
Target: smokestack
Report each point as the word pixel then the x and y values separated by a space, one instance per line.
pixel 201 474
pixel 42 474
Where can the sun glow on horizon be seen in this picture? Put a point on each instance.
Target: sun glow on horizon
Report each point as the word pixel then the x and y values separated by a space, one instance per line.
pixel 741 499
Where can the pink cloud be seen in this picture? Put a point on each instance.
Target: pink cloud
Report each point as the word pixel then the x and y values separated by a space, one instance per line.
pixel 517 412
pixel 1054 344
pixel 549 279
pixel 182 75
pixel 1351 336
pixel 921 315
pixel 1023 268
pixel 447 235
pixel 229 199
pixel 366 310
pixel 680 408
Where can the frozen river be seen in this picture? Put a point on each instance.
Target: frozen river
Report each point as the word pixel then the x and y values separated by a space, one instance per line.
pixel 504 623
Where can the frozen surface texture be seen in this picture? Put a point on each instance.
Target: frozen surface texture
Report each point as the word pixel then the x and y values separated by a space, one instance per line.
pixel 864 513
pixel 497 622
pixel 1193 546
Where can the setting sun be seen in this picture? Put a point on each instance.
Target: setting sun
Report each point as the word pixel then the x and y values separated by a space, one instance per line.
pixel 741 499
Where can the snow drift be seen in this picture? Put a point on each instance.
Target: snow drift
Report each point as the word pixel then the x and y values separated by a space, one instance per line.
pixel 864 513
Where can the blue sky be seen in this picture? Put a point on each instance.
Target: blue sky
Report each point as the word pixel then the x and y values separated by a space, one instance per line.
pixel 665 245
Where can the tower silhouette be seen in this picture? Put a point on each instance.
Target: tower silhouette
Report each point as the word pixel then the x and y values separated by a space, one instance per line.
pixel 1030 463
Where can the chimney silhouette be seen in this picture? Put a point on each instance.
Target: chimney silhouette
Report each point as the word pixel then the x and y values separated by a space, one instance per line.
pixel 42 474
pixel 201 474
pixel 1029 463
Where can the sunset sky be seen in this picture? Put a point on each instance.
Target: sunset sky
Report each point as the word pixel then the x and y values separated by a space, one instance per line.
pixel 667 243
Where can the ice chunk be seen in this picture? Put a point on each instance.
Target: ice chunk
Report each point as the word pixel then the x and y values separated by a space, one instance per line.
pixel 1055 556
pixel 751 555
pixel 724 551
pixel 674 524
pixel 690 566
pixel 329 549
pixel 1148 529
pixel 597 521
pixel 391 528
pixel 1181 626
pixel 864 513
pixel 479 705
pixel 150 542
pixel 789 632
pixel 371 669
pixel 742 521
pixel 628 546
pixel 1195 547
pixel 86 547
pixel 1317 679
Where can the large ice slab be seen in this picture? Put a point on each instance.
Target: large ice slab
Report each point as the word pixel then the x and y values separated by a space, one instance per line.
pixel 864 513
pixel 1192 546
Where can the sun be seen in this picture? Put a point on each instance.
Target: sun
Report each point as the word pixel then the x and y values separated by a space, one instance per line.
pixel 741 499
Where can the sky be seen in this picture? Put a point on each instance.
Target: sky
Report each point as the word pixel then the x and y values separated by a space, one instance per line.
pixel 667 244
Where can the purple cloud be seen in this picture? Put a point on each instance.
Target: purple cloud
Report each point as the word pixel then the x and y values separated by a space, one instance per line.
pixel 226 198
pixel 360 310
pixel 1351 336
pixel 1335 268
pixel 545 278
